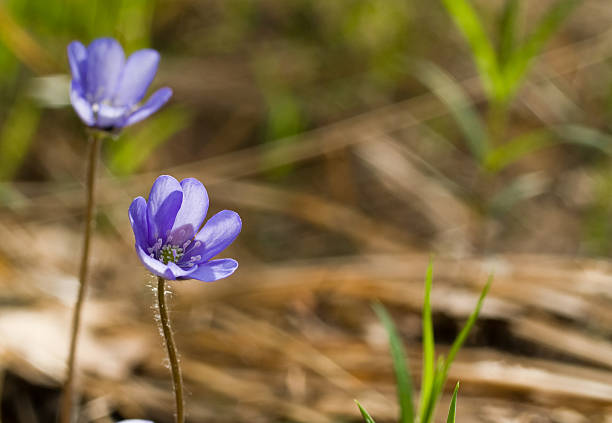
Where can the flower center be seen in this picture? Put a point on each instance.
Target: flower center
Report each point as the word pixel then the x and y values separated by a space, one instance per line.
pixel 170 253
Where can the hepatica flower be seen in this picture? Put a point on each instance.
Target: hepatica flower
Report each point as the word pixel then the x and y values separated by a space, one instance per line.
pixel 106 90
pixel 169 241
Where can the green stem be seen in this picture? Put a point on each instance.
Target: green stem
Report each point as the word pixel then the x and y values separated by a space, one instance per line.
pixel 497 132
pixel 497 123
pixel 177 379
pixel 67 399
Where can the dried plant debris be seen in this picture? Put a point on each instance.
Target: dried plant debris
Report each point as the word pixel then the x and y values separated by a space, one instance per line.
pixel 298 340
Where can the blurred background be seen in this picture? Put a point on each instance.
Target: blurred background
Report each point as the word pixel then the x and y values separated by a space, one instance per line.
pixel 355 138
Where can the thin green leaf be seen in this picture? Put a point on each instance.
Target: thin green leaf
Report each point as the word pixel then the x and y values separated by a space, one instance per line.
pixel 17 135
pixel 451 93
pixel 467 327
pixel 284 120
pixel 364 413
pixel 507 30
pixel 517 148
pixel 465 17
pixel 457 344
pixel 138 143
pixel 402 373
pixel 429 411
pixel 583 135
pixel 517 66
pixel 519 189
pixel 440 363
pixel 133 22
pixel 428 344
pixel 452 410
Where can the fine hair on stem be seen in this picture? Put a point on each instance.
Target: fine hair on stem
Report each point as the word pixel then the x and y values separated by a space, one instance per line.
pixel 175 369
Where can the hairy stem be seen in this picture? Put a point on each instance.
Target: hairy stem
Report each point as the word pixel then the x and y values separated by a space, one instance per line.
pixel 177 379
pixel 68 395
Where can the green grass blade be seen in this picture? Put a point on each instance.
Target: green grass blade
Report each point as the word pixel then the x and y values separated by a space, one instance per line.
pixel 16 136
pixel 460 106
pixel 584 136
pixel 284 120
pixel 507 30
pixel 364 413
pixel 517 148
pixel 519 189
pixel 134 22
pixel 467 327
pixel 466 19
pixel 452 410
pixel 429 352
pixel 402 373
pixel 524 144
pixel 428 413
pixel 136 144
pixel 518 64
pixel 442 373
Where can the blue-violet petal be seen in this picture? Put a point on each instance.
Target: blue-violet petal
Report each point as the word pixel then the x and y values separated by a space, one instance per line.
pixel 77 57
pixel 214 270
pixel 179 272
pixel 138 73
pixel 138 220
pixel 80 104
pixel 164 203
pixel 195 204
pixel 110 116
pixel 217 234
pixel 153 265
pixel 157 100
pixel 105 61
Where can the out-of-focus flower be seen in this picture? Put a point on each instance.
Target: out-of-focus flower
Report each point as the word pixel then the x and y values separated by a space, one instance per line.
pixel 106 90
pixel 169 241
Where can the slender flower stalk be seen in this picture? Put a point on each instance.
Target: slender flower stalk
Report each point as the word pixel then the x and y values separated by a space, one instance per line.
pixel 107 93
pixel 68 396
pixel 177 378
pixel 174 243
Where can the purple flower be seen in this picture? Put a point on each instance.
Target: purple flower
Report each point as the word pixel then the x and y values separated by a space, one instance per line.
pixel 169 240
pixel 106 89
